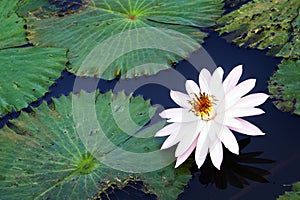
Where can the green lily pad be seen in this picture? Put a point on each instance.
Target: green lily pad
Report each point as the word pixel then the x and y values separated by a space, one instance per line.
pixel 128 38
pixel 291 195
pixel 12 32
pixel 284 86
pixel 26 73
pixel 264 24
pixel 44 157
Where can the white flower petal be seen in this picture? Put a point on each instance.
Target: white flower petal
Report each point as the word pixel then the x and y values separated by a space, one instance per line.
pixel 244 112
pixel 185 155
pixel 204 80
pixel 216 87
pixel 233 78
pixel 227 121
pixel 202 148
pixel 252 100
pixel 178 115
pixel 191 88
pixel 171 140
pixel 168 130
pixel 228 139
pixel 174 138
pixel 235 94
pixel 241 89
pixel 212 134
pixel 189 137
pixel 247 128
pixel 180 99
pixel 216 154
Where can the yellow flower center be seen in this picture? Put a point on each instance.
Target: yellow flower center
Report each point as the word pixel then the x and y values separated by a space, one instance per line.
pixel 202 105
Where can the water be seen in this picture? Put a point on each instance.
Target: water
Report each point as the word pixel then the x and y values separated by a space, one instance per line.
pixel 280 143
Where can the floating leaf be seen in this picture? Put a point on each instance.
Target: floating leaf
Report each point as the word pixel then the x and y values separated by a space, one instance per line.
pixel 12 32
pixel 265 24
pixel 28 72
pixel 44 157
pixel 292 195
pixel 284 86
pixel 26 75
pixel 127 38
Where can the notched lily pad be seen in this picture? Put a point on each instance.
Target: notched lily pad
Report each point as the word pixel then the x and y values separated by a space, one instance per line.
pixel 44 157
pixel 128 38
pixel 284 86
pixel 265 24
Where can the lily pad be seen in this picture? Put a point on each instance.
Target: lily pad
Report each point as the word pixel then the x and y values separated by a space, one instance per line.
pixel 12 31
pixel 128 38
pixel 264 24
pixel 44 157
pixel 284 86
pixel 26 72
pixel 291 195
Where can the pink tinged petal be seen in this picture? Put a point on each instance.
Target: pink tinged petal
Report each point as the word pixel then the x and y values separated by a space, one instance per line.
pixel 186 154
pixel 228 139
pixel 233 78
pixel 181 132
pixel 252 100
pixel 191 133
pixel 216 87
pixel 204 80
pixel 247 128
pixel 191 88
pixel 244 112
pixel 178 115
pixel 216 154
pixel 180 99
pixel 202 148
pixel 168 130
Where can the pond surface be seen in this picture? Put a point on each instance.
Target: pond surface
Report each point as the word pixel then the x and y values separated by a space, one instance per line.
pixel 280 143
pixel 279 147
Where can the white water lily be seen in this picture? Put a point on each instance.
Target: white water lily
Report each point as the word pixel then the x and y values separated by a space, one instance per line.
pixel 208 114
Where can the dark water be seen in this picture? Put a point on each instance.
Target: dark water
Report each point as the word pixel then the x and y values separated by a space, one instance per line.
pixel 282 136
pixel 280 144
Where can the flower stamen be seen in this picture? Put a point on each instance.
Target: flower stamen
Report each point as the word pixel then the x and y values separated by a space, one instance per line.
pixel 202 105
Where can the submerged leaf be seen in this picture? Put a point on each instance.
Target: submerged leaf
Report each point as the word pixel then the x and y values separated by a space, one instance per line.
pixel 265 24
pixel 44 157
pixel 284 86
pixel 127 38
pixel 291 195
